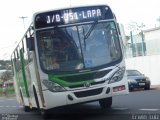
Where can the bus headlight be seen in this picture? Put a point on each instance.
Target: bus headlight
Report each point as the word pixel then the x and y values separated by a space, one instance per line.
pixel 53 87
pixel 118 75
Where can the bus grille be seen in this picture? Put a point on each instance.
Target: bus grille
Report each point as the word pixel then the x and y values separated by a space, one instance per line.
pixel 82 85
pixel 85 76
pixel 88 93
pixel 141 80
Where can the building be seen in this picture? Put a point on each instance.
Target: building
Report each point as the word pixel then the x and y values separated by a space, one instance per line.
pixel 136 45
pixel 152 39
pixel 148 64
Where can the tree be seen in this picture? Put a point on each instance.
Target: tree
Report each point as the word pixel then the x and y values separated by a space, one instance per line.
pixel 5 64
pixel 135 27
pixel 6 76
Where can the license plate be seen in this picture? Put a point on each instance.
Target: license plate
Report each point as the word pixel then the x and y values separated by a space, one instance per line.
pixel 141 83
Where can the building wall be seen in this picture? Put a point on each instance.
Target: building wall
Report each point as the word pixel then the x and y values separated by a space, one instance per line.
pixel 152 39
pixel 152 34
pixel 148 65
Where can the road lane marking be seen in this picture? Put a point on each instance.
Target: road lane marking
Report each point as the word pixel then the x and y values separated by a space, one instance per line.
pixel 149 109
pixel 10 99
pixel 10 106
pixel 120 108
pixel 14 106
pixel 7 99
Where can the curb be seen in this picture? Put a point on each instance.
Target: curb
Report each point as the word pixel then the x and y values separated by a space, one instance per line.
pixel 7 97
pixel 157 87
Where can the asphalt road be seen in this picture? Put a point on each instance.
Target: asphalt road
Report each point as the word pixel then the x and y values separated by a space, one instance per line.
pixel 138 105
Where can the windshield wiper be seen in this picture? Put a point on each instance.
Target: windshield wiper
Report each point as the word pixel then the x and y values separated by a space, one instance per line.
pixel 90 30
pixel 88 33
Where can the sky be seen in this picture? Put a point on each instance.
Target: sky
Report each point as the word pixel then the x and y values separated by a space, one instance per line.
pixel 12 27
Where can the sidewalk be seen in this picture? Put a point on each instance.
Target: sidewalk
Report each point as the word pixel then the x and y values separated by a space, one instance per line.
pixel 8 97
pixel 157 87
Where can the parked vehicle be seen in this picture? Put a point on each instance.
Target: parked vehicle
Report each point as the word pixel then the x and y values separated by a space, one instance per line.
pixel 137 80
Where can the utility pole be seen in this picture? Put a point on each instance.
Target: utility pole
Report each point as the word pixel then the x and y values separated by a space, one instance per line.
pixel 23 20
pixel 142 35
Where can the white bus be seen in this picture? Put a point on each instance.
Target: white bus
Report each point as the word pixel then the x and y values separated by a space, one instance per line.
pixel 68 56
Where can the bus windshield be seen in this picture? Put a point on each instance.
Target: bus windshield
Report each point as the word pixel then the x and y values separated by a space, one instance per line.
pixel 78 47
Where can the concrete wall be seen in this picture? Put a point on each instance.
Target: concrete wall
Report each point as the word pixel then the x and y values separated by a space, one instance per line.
pixel 152 39
pixel 152 34
pixel 148 65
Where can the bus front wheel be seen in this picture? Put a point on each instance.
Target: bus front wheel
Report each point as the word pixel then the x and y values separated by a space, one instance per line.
pixel 105 102
pixel 45 113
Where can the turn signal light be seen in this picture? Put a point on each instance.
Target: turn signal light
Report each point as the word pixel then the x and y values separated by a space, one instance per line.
pixel 119 88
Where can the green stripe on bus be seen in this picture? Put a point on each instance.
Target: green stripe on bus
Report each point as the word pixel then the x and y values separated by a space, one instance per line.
pixel 20 80
pixel 23 72
pixel 66 75
pixel 65 83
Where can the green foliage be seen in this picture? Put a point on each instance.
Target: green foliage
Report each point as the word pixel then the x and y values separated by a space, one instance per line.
pixel 5 64
pixel 10 92
pixel 0 91
pixel 7 75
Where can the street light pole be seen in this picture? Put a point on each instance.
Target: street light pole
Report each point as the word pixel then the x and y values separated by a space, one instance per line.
pixel 23 20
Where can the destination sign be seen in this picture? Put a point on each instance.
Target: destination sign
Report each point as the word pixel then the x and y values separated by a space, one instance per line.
pixel 73 15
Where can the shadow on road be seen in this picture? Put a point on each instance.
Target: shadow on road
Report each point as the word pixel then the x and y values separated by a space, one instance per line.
pixel 85 112
pixel 154 87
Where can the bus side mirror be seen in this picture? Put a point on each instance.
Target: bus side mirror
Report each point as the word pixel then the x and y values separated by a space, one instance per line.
pixel 30 43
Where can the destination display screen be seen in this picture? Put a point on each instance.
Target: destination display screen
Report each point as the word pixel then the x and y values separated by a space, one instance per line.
pixel 72 15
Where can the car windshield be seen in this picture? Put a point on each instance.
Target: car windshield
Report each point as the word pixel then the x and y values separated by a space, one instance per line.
pixel 69 48
pixel 133 73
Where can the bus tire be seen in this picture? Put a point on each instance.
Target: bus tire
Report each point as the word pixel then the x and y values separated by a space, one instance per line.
pixel 26 108
pixel 44 113
pixel 105 102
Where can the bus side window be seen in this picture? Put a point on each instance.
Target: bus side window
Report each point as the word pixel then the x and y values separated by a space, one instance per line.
pixel 30 43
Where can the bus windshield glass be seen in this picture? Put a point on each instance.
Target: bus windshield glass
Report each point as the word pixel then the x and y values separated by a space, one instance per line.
pixel 78 47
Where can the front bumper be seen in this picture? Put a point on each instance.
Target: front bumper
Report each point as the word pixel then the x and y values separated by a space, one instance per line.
pixel 139 85
pixel 58 99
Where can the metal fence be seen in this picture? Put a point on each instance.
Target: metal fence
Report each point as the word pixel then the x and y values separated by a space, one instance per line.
pixel 137 45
